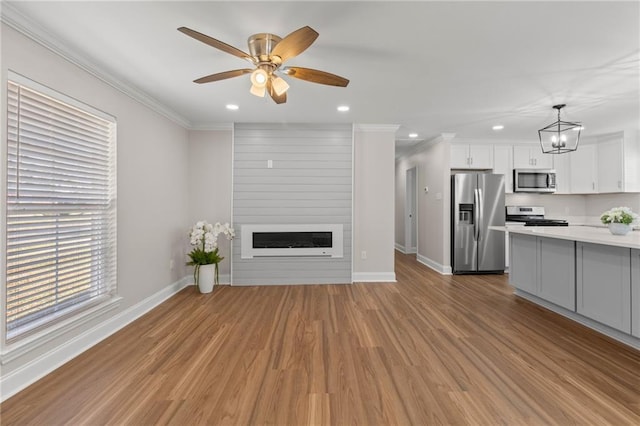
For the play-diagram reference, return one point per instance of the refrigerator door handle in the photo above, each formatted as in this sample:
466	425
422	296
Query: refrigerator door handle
481	210
476	214
480	221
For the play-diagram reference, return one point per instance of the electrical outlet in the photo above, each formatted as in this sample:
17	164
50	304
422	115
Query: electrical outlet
363	255
172	265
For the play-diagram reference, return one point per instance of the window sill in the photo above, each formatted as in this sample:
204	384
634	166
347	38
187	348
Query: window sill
29	343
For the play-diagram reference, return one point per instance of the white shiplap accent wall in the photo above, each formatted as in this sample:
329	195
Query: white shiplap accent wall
310	183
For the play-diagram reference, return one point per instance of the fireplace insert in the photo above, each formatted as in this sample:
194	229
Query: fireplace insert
291	239
325	240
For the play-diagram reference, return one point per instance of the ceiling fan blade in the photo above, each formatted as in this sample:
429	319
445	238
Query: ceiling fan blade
215	43
279	99
222	75
295	43
316	76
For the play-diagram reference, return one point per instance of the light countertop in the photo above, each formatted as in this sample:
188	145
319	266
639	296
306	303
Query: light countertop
586	234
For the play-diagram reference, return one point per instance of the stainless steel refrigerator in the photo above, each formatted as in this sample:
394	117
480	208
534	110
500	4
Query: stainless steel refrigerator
477	202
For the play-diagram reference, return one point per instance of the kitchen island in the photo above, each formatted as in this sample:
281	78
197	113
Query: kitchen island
584	273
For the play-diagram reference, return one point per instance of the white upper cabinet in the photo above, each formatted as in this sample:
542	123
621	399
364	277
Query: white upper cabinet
481	156
459	156
471	156
540	159
503	164
561	164
584	166
610	165
531	157
605	164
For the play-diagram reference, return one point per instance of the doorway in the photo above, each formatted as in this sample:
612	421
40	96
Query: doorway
410	207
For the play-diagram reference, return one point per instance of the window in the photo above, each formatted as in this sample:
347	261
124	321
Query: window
61	216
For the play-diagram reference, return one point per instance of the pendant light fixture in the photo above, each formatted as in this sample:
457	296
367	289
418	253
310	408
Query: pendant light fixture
560	137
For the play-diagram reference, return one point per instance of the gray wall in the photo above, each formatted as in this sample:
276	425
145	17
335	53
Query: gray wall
310	183
209	189
431	159
152	170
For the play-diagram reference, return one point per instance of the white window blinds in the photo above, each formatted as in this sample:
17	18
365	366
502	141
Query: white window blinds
61	216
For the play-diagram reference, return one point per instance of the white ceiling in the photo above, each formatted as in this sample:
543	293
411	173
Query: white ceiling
430	67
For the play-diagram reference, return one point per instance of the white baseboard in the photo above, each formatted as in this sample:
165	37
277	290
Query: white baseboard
402	249
223	279
442	269
34	370
374	277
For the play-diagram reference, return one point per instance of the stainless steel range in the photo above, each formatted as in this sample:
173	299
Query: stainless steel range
531	216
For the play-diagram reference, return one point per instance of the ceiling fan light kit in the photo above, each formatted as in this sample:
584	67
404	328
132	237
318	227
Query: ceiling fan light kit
279	85
258	90
267	52
259	79
560	137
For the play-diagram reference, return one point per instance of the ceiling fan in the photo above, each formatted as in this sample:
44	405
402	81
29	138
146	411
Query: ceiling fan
267	52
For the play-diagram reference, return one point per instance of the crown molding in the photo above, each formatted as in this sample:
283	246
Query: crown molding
376	127
211	126
421	146
15	19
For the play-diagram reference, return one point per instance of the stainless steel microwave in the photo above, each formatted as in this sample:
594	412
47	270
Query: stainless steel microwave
534	180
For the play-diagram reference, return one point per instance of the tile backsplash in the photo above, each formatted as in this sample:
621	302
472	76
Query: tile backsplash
577	209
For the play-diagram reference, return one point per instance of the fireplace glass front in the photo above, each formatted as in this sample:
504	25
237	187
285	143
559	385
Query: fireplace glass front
292	239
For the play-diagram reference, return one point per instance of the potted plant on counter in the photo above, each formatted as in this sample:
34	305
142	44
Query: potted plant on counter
619	220
205	255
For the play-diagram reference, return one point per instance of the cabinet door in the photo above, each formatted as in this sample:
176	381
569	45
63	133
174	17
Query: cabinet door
556	272
610	165
635	292
506	250
603	277
583	167
522	157
459	157
503	165
541	160
563	173
523	268
481	156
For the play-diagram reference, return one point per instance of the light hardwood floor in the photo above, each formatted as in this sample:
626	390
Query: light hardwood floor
430	349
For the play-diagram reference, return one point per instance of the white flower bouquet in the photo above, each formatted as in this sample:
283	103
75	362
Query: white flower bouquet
619	215
204	239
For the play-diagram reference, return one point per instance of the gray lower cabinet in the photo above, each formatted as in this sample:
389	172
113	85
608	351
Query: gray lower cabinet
603	278
557	272
635	292
523	269
544	267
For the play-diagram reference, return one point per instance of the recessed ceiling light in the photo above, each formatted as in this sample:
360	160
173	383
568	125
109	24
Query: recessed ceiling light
498	127
232	107
413	135
343	108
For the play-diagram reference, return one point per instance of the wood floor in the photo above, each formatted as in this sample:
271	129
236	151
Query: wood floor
428	350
